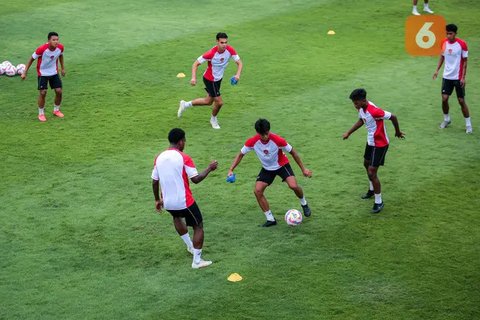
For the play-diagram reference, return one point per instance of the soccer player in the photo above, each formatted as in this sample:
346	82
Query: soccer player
47	70
217	58
171	171
426	8
455	55
377	141
269	148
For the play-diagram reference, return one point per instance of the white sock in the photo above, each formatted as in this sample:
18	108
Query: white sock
187	240
56	108
378	198
414	8
188	104
197	255
371	185
303	202
446	117
468	122
213	119
41	111
269	215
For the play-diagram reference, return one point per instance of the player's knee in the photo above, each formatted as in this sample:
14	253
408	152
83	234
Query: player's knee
58	91
445	98
372	174
43	93
461	101
258	192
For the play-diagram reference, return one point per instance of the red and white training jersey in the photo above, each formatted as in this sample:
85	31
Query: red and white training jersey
455	54
217	62
174	169
373	118
269	153
47	59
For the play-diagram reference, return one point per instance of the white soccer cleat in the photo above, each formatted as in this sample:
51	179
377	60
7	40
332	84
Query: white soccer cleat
214	124
415	12
468	129
444	124
201	264
181	108
427	10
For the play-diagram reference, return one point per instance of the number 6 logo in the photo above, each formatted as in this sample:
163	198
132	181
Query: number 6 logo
424	34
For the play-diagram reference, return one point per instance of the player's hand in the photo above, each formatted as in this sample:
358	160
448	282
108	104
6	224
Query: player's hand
193	82
230	172
307	173
213	165
63	72
435	75
345	136
463	82
159	205
23	75
400	135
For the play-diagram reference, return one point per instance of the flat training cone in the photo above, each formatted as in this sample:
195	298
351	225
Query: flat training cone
331	32
181	75
234	277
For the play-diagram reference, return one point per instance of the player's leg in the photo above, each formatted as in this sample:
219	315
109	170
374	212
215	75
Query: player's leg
42	93
414	9
182	231
207	101
426	8
217	105
287	175
367	156
56	84
465	111
378	159
193	218
447	89
264	179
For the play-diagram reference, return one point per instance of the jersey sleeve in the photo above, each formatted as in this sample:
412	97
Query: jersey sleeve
38	52
281	143
464	47
233	53
61	47
189	166
154	171
249	144
207	56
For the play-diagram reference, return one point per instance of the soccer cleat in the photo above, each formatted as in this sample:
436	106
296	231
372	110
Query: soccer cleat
415	12
58	114
214	124
42	118
377	207
427	10
201	264
269	223
306	211
468	129
445	124
368	195
181	108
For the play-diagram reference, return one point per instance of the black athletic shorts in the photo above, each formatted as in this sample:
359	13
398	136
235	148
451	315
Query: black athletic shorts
448	85
55	82
268	176
212	87
192	215
375	155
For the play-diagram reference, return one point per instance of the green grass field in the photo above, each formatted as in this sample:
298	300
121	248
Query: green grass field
79	236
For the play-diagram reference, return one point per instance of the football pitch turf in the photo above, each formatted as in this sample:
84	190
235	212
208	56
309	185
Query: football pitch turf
79	236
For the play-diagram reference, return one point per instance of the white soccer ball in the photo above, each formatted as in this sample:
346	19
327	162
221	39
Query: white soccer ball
10	71
2	69
21	68
293	217
6	63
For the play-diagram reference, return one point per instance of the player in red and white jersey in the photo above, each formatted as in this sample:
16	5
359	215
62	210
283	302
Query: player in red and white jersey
270	149
217	58
47	56
171	173
377	141
455	55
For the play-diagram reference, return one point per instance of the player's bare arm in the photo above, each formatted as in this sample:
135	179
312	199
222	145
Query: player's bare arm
306	172
211	167
354	128
464	72
398	133
440	63
62	66
156	194
195	65
239	69
236	162
29	63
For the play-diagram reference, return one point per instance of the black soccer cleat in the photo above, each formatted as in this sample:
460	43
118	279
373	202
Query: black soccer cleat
377	207
368	195
269	223
306	211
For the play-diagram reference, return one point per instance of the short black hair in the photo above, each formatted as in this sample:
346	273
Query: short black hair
176	135
222	35
451	28
262	126
52	34
358	94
